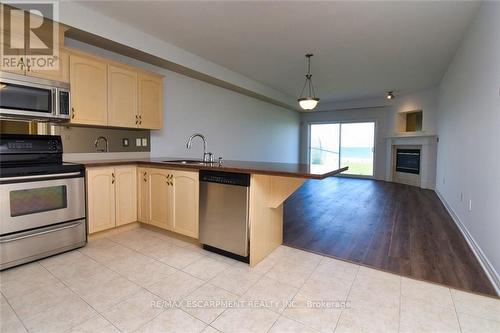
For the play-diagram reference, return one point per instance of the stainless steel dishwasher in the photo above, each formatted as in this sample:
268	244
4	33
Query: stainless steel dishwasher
224	200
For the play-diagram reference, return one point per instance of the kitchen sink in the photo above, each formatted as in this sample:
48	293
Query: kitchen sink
185	162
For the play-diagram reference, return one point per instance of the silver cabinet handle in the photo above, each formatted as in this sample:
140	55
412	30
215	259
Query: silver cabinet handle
39	233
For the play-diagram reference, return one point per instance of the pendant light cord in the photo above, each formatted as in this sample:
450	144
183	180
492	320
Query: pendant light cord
308	81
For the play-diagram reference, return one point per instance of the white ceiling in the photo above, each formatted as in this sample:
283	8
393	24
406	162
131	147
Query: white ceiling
362	49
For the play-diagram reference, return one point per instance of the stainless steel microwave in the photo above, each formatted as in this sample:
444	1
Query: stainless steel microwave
25	97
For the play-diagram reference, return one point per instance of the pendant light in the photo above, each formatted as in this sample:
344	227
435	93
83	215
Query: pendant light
310	101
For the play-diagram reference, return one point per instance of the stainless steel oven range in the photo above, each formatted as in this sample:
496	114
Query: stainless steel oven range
42	200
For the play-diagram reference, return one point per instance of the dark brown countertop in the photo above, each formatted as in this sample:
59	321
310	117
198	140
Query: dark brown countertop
264	168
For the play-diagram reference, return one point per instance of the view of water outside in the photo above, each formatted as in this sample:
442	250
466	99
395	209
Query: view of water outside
354	142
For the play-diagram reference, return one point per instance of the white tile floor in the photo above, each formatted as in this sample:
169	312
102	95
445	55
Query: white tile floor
123	282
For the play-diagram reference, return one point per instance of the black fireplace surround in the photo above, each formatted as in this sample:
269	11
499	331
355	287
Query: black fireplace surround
408	160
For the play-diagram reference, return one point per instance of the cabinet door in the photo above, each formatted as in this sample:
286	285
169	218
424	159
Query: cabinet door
100	199
161	212
186	202
89	97
126	194
150	101
59	74
143	195
122	97
16	42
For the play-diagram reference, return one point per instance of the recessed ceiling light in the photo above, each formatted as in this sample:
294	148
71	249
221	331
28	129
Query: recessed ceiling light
390	95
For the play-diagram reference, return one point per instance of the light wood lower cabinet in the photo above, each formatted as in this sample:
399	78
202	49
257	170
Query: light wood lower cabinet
100	199
111	197
160	204
185	203
125	194
169	199
143	195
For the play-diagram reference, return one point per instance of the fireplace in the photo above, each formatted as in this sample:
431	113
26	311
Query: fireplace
417	170
408	160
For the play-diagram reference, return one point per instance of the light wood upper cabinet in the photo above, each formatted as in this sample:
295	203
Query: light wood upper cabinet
186	202
161	212
89	97
100	199
15	40
60	74
19	45
150	101
126	194
122	97
107	93
143	195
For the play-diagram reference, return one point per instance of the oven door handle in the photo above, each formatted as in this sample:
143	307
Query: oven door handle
40	233
53	175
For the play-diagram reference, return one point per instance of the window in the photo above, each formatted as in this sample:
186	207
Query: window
37	200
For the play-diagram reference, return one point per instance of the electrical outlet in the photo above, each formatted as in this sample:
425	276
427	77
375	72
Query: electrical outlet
138	142
125	142
144	142
470	205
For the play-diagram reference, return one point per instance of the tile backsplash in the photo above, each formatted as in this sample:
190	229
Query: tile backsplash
81	139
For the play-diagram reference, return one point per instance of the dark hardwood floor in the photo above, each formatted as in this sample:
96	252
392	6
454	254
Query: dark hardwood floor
394	227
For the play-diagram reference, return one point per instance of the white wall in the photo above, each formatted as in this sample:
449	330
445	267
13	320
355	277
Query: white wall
236	126
425	100
469	134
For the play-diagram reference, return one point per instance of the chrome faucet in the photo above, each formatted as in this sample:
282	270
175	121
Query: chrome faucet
207	157
96	144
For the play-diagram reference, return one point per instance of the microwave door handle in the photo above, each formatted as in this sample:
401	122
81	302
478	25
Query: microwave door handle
55	106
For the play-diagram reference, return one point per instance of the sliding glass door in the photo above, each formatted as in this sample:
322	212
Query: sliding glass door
343	144
325	145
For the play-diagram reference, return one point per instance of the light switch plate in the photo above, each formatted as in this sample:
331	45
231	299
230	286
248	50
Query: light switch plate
144	142
138	142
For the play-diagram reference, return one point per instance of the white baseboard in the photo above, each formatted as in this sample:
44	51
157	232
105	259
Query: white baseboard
488	268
